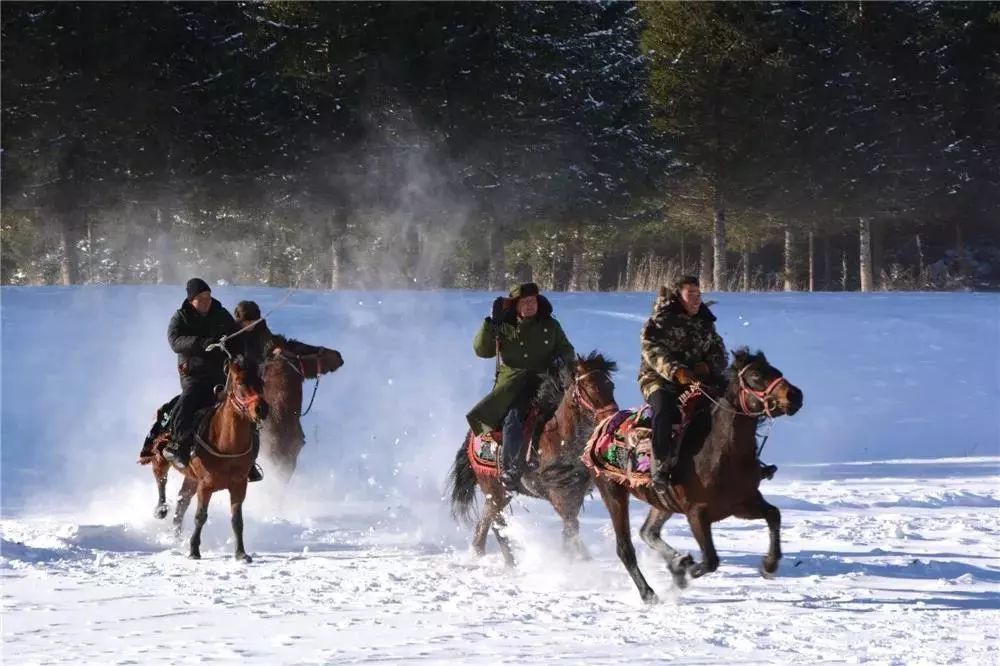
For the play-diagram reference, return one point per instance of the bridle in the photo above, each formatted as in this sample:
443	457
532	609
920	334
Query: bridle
582	396
762	396
317	356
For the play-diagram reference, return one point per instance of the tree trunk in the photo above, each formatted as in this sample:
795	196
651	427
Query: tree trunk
334	262
719	251
812	261
746	270
920	260
790	282
70	263
705	272
625	284
865	254
843	270
91	276
827	264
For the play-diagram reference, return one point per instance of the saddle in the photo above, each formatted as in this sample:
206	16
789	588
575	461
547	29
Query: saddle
162	430
622	444
484	450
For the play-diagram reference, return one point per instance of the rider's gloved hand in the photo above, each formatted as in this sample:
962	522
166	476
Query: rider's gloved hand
685	377
499	309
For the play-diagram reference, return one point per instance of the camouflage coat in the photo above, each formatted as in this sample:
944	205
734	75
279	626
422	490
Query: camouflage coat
672	339
527	349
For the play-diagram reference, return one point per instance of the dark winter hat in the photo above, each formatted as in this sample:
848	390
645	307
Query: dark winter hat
247	311
526	289
196	286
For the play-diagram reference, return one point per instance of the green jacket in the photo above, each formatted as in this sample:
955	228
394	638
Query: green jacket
527	349
672	339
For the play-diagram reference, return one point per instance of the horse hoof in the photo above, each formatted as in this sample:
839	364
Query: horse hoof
160	512
194	555
768	568
243	557
650	598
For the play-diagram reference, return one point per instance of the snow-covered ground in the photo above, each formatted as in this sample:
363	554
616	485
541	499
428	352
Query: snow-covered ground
889	488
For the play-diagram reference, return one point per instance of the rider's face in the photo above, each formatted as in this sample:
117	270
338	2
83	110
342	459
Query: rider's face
527	306
691	298
202	302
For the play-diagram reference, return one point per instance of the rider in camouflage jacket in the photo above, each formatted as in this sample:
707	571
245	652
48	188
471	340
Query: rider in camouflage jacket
680	347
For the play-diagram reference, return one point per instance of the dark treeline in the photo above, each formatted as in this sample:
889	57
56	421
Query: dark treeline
581	145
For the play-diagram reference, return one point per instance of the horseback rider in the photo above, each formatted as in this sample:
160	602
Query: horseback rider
680	348
529	342
200	322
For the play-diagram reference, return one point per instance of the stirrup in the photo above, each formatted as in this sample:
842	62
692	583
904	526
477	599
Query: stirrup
255	474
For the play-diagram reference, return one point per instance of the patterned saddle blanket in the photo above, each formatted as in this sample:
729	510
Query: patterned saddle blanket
484	450
622	444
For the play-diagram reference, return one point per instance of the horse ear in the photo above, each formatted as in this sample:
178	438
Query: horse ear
740	355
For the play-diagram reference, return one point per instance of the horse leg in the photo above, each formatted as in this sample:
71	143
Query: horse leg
568	506
701	528
238	493
500	524
677	563
160	470
200	518
183	501
616	500
492	490
759	508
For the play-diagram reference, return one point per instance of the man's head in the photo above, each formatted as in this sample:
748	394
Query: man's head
199	294
689	293
526	299
246	312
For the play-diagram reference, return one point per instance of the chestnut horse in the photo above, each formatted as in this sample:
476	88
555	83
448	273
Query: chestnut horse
224	455
718	471
288	365
582	399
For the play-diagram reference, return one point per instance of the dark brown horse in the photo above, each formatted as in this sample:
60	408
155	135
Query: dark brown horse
583	399
224	455
289	364
719	473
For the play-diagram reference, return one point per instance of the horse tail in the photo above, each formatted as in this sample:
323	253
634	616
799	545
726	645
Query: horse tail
462	484
570	476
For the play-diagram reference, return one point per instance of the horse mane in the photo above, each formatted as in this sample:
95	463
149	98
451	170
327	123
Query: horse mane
292	345
557	382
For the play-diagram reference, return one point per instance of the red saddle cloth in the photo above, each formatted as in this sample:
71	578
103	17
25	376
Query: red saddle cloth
484	450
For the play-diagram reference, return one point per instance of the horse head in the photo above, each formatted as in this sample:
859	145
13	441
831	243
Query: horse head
245	389
308	360
759	388
593	387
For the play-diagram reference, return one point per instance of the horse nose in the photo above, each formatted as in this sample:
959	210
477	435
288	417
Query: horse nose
340	359
794	397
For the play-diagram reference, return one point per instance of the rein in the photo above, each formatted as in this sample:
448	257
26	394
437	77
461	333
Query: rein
287	357
580	395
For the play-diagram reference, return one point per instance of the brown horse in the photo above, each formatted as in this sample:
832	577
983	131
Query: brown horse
582	399
289	364
719	473
224	455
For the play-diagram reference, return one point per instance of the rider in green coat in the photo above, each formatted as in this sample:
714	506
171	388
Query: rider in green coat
530	341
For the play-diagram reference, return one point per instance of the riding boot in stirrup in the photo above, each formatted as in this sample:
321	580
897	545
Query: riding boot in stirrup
178	453
256	473
767	471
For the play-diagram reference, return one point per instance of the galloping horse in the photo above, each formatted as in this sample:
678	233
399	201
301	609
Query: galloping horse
719	475
224	459
587	398
289	364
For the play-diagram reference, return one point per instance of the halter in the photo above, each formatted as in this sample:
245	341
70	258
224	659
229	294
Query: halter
761	396
244	405
581	397
286	356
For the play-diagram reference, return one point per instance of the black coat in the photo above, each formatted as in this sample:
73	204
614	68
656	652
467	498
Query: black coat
190	332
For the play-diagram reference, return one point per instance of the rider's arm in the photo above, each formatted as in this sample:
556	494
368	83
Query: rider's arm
485	342
656	351
180	343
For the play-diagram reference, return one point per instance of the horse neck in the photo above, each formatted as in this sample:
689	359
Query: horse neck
282	389
733	432
569	422
229	429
